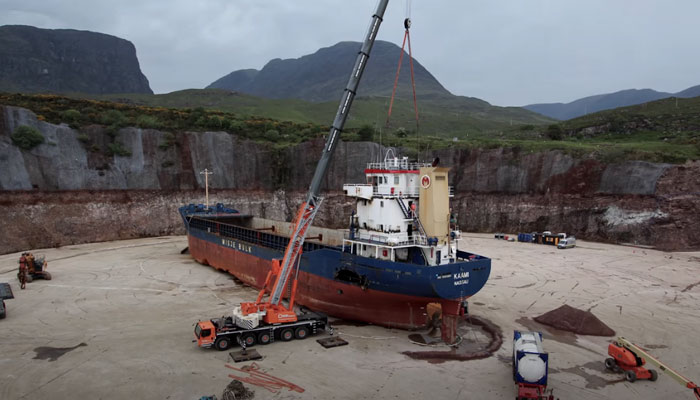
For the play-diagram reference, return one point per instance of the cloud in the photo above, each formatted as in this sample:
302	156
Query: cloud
508	52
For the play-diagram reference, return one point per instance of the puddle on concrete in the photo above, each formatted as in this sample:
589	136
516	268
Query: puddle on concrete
53	353
550	333
422	338
592	381
505	359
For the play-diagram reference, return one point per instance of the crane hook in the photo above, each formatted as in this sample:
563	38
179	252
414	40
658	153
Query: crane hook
407	23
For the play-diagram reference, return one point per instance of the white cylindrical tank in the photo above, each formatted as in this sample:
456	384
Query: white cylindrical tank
529	359
532	368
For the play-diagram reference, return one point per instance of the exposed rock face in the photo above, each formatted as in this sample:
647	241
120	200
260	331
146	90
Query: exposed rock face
64	192
67	60
40	219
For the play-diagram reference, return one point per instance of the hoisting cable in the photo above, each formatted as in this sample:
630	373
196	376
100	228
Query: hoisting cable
406	38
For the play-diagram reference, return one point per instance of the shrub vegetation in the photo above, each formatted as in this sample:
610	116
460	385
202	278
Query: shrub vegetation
26	137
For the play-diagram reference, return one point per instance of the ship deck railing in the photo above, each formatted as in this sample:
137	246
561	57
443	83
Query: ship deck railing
403	165
416	240
248	235
386	190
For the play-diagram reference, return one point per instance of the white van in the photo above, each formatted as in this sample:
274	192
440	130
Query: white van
567	243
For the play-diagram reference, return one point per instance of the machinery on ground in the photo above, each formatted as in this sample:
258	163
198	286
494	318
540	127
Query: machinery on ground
630	358
263	321
530	366
31	268
5	294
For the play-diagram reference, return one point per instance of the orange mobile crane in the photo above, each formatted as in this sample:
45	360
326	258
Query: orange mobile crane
263	321
630	358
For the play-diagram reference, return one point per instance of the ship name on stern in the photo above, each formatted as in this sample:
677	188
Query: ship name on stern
461	278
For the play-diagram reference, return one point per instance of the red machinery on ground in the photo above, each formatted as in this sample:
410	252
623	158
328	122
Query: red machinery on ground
31	268
630	358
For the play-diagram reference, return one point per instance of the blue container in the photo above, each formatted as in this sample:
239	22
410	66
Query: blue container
525	237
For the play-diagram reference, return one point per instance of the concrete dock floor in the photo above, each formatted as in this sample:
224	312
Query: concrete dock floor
116	322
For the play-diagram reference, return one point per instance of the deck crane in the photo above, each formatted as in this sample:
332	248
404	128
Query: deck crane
266	312
630	358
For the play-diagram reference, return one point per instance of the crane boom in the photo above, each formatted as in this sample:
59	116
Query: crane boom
274	312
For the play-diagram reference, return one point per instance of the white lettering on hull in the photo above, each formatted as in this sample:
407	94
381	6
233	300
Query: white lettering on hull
461	278
460	275
236	245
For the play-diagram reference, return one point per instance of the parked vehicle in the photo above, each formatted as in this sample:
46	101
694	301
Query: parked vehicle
530	366
5	294
567	243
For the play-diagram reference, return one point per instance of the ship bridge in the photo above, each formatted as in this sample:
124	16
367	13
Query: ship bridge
386	223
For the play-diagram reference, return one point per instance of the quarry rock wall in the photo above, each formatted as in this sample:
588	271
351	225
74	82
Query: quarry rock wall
69	190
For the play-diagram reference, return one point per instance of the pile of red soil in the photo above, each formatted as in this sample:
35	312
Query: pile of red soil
572	319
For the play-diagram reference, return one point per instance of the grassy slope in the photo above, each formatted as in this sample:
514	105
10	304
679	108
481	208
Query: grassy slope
666	130
440	116
657	131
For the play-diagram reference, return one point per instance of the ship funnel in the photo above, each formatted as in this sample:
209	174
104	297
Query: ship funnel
434	202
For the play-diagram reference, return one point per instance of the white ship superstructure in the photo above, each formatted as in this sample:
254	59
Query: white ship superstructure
402	213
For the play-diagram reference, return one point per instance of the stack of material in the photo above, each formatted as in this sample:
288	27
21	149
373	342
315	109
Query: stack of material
572	319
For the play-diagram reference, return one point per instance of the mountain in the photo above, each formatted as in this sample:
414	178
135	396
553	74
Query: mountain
607	101
690	92
67	60
322	76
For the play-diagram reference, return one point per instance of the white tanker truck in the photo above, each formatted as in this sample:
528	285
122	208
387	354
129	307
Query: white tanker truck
530	365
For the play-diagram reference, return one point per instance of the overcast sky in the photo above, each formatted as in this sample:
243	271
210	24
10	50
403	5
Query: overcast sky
507	52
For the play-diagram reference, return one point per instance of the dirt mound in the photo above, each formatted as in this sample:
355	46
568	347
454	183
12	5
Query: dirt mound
236	391
572	319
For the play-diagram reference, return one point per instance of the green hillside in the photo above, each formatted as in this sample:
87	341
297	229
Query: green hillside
439	116
666	130
657	132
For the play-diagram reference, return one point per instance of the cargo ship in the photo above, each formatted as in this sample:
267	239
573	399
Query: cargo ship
399	254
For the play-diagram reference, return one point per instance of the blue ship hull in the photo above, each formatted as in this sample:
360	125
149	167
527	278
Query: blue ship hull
334	281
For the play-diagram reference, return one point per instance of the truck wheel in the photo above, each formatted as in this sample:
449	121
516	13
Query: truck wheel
249	340
47	276
301	332
287	334
630	376
654	375
29	278
222	343
264	338
610	363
